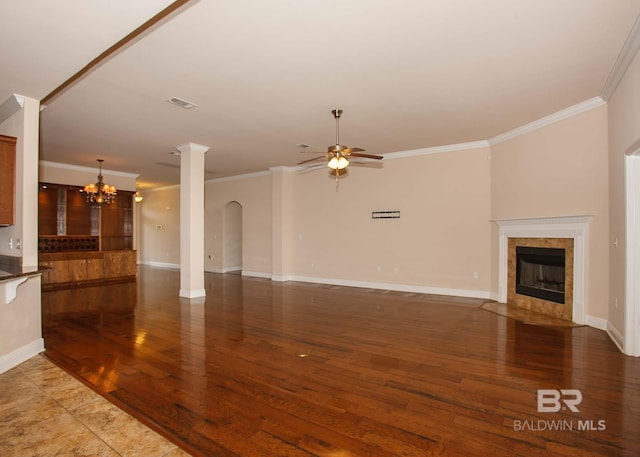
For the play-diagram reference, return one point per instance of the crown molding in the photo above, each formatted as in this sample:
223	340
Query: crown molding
237	177
66	166
437	150
284	169
10	106
627	53
157	189
548	120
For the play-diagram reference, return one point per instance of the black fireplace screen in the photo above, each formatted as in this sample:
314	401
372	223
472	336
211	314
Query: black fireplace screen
540	272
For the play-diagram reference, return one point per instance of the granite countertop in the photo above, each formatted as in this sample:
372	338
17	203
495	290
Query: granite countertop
7	272
11	268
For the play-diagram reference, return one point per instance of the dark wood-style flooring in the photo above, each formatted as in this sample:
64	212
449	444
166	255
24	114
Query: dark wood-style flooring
294	369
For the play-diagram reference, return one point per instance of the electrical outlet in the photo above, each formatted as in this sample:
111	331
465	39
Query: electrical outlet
475	275
10	243
18	243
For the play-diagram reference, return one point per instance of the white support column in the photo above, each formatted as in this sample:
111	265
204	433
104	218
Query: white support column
27	171
192	220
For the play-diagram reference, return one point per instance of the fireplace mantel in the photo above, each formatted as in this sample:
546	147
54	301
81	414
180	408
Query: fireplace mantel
575	227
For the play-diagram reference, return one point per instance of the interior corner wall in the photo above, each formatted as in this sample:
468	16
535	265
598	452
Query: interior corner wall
160	224
159	234
253	193
624	131
440	243
560	170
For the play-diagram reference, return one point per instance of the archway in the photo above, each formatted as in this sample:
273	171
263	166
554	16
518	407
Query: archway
232	238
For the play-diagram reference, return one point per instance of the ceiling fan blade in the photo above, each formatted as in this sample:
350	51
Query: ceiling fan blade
366	156
338	172
350	150
311	160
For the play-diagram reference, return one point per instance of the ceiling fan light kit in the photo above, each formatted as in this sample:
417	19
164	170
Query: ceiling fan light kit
337	156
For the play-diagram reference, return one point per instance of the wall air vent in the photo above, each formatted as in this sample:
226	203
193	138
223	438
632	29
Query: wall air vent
182	103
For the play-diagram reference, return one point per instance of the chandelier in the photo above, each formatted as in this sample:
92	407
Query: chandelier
100	192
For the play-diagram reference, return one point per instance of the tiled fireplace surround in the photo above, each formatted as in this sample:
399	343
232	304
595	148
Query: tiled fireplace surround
569	233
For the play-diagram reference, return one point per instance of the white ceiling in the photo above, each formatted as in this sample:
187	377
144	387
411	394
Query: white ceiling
409	74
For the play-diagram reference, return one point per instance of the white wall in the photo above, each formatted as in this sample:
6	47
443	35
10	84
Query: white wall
20	321
560	170
24	125
624	131
440	243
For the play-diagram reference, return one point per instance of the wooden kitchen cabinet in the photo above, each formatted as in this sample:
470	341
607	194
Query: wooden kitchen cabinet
7	180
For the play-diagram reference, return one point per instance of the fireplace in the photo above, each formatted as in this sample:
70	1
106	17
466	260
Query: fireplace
568	233
540	273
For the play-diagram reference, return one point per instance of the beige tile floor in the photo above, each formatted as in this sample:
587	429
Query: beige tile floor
46	412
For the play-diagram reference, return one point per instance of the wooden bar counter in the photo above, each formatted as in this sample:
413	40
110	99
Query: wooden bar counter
68	269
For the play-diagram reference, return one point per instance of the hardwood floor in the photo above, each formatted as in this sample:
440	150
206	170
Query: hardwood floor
295	369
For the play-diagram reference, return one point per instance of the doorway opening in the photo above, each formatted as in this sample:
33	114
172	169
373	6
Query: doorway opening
232	238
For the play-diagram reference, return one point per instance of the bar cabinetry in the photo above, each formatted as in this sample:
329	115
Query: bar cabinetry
64	269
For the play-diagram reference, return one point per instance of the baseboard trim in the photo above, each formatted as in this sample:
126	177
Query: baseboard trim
195	293
256	274
388	286
615	336
596	322
151	263
21	354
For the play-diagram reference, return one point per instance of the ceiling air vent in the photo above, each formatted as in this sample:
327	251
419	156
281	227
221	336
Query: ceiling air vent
180	102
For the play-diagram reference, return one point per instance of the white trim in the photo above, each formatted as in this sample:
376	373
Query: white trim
66	166
283	168
22	354
256	274
437	150
237	177
192	293
11	288
155	189
632	254
615	336
387	286
11	106
151	263
548	120
548	227
627	53
596	322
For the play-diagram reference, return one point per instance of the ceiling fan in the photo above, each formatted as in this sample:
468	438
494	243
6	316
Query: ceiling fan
337	156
